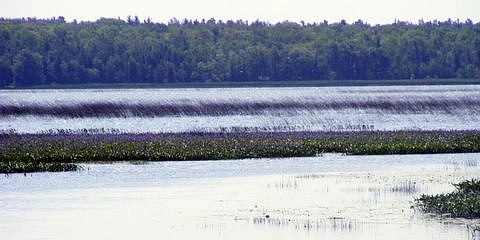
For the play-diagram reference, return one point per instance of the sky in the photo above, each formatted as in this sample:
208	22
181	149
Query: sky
370	11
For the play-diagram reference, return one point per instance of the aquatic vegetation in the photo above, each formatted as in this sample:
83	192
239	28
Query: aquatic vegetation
222	108
474	231
463	202
31	166
333	223
471	163
75	148
405	187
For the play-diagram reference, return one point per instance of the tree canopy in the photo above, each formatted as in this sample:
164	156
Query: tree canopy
53	51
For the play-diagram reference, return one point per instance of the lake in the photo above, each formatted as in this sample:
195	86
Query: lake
330	196
243	109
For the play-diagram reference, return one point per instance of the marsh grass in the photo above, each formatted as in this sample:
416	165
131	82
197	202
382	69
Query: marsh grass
8	167
307	224
464	202
405	187
471	163
76	148
212	108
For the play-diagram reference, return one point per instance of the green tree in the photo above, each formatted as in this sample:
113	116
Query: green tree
28	68
6	75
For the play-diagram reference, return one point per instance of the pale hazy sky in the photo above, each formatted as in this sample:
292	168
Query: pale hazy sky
371	11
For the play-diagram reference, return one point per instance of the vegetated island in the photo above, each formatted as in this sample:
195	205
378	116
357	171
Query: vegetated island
62	151
134	52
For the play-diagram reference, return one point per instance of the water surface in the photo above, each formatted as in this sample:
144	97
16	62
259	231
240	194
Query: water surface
332	196
252	109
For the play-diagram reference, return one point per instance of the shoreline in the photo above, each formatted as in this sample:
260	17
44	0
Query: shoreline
262	84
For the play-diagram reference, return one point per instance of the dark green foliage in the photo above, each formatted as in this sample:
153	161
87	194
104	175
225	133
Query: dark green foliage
27	66
74	148
6	74
34	52
463	202
35	166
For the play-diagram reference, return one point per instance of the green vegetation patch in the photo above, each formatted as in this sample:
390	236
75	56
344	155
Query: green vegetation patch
464	202
38	151
28	167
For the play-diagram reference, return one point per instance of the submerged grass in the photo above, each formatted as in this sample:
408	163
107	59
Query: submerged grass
37	149
463	202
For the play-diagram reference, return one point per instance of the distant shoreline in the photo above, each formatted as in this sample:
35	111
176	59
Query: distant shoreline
262	84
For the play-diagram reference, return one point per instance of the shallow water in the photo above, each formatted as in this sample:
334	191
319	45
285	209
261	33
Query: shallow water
419	108
330	196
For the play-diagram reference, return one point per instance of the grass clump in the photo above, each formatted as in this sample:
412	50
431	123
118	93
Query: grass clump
464	202
7	167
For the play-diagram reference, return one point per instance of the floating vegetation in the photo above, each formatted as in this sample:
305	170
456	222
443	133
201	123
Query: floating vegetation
463	202
75	148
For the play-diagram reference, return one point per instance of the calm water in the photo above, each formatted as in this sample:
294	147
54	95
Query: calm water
332	197
266	109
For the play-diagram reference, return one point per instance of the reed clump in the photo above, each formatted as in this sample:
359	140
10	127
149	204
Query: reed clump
464	202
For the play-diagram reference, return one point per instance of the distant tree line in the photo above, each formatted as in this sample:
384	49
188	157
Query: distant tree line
53	51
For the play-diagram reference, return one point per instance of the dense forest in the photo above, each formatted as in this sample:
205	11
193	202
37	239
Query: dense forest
53	51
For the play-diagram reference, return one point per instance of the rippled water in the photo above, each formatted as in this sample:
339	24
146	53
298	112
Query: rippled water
331	197
251	109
